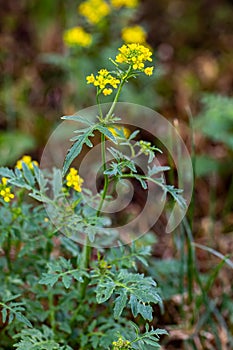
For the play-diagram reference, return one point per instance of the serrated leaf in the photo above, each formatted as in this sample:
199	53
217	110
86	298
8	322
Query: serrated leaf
4	315
49	279
120	304
142	182
28	174
11	317
104	130
134	305
23	319
104	291
5	172
153	343
66	280
76	148
145	311
76	118
78	276
56	182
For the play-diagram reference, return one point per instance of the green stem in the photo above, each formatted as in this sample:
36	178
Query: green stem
98	103
84	265
86	253
7	252
124	79
106	179
52	312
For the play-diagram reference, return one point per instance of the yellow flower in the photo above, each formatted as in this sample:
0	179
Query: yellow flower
107	92
28	161
134	34
104	80
126	3
135	55
4	180
121	344
148	70
145	147
113	130
91	79
5	191
77	36
94	10
74	180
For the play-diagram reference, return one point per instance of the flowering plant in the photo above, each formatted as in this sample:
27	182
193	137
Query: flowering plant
87	298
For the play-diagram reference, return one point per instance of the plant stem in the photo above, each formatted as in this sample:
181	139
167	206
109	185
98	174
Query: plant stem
86	253
106	180
7	252
84	265
109	114
52	312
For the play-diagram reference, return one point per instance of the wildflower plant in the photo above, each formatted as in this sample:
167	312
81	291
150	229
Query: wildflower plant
80	296
94	32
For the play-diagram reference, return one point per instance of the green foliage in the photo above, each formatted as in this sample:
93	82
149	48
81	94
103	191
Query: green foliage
33	339
216	119
60	284
12	309
62	269
131	289
8	152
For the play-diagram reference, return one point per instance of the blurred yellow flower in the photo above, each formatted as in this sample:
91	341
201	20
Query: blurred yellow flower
74	180
126	3
114	129
5	191
134	34
94	10
28	161
77	36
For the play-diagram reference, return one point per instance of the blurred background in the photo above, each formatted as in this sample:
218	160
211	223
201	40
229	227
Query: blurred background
49	47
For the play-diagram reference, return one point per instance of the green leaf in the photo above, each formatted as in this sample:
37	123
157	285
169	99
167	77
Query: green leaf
28	174
104	130
49	279
142	182
23	319
77	118
78	275
66	280
4	315
76	148
120	304
145	311
104	291
134	305
57	182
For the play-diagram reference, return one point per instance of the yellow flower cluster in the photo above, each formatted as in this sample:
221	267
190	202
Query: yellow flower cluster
5	191
126	3
134	34
28	161
145	147
120	128
77	36
103	80
135	55
74	180
121	344
94	10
